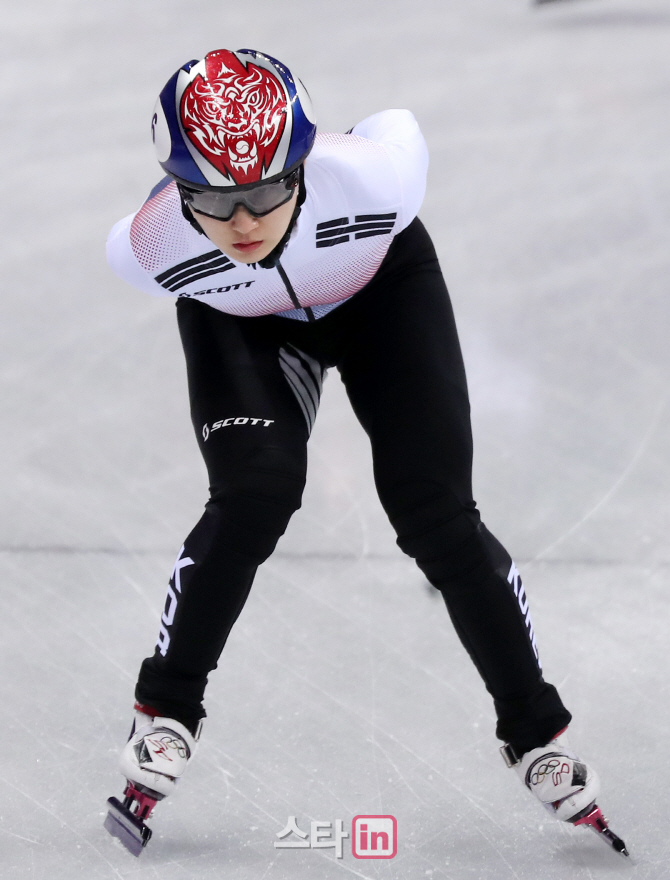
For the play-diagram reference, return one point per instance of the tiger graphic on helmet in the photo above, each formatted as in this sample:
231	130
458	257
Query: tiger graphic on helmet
235	116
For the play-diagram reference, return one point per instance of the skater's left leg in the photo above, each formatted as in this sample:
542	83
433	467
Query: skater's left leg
405	378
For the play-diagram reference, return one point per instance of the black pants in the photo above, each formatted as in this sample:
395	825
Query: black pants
254	385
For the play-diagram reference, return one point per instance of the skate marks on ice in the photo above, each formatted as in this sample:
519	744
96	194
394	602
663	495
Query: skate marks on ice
51	696
635	459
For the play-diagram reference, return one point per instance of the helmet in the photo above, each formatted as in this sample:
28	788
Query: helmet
232	120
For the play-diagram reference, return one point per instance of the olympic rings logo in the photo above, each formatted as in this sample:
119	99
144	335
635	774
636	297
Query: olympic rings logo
555	768
162	744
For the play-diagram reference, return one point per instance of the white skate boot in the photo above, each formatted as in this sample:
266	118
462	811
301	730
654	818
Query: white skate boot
157	753
564	785
153	760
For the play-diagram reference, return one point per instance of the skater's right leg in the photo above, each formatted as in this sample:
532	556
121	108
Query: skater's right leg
252	434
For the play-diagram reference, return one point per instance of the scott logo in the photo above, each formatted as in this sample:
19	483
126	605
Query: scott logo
225	289
240	420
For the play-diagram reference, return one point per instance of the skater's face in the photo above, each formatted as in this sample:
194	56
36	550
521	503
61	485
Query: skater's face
246	238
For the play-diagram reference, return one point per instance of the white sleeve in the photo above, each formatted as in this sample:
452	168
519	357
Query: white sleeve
399	133
123	261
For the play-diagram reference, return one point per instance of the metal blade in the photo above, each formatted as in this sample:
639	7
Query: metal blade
594	819
122	823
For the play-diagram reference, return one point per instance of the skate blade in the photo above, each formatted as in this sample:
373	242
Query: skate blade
592	817
122	823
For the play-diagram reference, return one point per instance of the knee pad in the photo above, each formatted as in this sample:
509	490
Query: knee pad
256	500
454	547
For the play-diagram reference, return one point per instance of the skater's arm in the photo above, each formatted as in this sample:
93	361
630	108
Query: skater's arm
399	133
123	261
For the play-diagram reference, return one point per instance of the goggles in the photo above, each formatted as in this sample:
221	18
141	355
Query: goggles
259	201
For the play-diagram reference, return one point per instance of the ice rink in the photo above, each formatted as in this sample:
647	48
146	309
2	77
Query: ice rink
343	689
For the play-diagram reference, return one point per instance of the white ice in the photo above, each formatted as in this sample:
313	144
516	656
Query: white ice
343	689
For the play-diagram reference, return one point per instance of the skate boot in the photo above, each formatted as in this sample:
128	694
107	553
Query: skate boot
153	760
564	785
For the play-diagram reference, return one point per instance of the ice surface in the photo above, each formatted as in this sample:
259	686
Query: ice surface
343	690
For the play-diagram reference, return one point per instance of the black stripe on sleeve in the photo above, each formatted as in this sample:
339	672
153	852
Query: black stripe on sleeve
330	223
331	233
372	232
338	231
329	242
195	261
195	276
357	227
182	277
365	218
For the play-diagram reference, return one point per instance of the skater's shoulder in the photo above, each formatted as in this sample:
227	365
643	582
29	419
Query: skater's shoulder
379	165
369	141
155	237
162	214
397	127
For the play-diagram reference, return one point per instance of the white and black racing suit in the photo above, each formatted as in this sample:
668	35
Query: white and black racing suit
357	287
